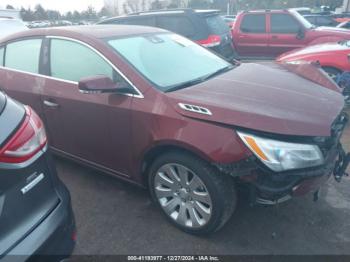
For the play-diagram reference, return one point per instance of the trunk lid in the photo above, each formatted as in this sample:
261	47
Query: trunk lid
265	97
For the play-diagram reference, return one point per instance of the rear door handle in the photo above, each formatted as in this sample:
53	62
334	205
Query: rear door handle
50	104
274	37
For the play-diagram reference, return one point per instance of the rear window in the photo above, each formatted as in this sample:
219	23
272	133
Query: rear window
177	24
217	25
254	23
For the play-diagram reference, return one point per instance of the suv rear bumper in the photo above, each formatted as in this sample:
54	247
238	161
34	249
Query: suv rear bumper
54	236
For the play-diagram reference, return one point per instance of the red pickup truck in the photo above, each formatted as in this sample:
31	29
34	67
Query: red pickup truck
269	33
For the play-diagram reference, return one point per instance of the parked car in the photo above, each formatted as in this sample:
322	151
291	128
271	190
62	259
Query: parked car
302	10
10	26
39	24
156	109
340	18
333	57
229	21
268	34
206	27
345	25
35	215
321	20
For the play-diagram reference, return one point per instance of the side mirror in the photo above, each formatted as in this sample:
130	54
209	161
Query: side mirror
97	85
301	33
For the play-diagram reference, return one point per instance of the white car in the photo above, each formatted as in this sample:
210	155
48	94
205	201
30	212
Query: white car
10	26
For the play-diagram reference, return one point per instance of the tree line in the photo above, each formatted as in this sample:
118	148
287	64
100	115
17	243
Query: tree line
39	13
238	5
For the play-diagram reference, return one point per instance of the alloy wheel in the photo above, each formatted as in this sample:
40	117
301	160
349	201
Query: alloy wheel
183	195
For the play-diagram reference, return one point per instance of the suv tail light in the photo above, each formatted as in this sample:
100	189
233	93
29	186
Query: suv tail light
211	41
26	142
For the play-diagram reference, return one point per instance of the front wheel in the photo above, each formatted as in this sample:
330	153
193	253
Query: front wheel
192	194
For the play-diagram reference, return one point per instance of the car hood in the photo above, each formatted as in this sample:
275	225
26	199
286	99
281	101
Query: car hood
335	30
312	50
266	97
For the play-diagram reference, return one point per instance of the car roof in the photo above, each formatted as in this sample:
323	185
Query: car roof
90	31
259	11
176	11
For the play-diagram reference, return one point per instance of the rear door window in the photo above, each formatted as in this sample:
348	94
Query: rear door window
254	23
217	25
284	24
24	55
177	24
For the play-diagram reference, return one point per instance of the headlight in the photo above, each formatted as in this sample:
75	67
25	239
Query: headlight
281	156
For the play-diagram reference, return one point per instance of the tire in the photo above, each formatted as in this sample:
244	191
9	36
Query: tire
332	72
209	201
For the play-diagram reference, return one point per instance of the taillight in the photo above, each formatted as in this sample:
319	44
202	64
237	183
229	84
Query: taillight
26	142
211	41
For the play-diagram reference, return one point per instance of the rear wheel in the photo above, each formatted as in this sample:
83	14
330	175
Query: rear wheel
332	72
192	194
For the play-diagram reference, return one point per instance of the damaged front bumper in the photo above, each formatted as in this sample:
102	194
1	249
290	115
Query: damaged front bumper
270	188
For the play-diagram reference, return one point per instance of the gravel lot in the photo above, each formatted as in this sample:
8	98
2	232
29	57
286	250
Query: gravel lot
114	217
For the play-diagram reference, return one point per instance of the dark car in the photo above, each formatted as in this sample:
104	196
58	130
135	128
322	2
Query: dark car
205	27
321	20
345	25
35	211
156	109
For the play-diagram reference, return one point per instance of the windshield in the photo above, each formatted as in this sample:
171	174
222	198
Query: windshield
168	60
302	20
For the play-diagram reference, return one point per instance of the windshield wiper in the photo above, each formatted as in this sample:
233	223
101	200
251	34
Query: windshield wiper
185	84
218	72
199	80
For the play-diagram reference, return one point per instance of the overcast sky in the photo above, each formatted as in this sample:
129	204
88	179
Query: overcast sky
60	5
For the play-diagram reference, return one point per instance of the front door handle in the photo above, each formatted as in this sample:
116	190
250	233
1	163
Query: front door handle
50	104
274	37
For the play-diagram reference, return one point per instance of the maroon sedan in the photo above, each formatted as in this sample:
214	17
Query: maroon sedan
158	110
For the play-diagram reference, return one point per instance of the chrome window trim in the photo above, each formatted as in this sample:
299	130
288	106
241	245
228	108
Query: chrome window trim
138	95
39	75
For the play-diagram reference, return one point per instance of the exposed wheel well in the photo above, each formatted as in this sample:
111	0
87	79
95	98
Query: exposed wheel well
152	154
